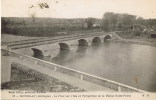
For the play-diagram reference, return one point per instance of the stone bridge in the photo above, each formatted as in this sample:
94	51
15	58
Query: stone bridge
70	45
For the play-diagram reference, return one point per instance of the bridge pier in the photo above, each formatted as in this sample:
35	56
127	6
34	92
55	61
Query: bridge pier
107	37
82	42
37	53
64	46
96	41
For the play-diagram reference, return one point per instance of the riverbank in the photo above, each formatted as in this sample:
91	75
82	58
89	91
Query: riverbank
143	39
23	78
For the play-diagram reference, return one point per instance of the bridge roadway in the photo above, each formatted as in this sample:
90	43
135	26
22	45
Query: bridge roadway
47	40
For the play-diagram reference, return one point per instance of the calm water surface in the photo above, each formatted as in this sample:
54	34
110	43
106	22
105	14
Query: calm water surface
127	63
130	64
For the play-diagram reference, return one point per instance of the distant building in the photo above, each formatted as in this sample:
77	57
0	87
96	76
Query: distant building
152	34
96	25
85	25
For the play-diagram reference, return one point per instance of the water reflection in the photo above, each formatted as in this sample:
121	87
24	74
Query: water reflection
61	57
127	63
82	49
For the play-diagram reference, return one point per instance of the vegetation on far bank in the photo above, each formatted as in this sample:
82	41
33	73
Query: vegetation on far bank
55	26
47	26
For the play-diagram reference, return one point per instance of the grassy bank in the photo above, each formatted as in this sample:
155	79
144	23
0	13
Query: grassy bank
130	36
27	79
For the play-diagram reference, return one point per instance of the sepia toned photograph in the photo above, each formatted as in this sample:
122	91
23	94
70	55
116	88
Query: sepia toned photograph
78	46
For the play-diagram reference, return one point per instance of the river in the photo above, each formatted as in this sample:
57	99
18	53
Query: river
126	63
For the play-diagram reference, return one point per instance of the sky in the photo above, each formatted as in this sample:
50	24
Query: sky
77	8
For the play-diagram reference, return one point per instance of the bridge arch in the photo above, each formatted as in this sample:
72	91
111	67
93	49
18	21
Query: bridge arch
64	46
107	37
96	40
37	53
82	42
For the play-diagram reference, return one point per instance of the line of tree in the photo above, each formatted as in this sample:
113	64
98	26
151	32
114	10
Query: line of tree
116	21
113	21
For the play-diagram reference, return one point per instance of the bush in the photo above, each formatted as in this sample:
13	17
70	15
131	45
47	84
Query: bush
137	32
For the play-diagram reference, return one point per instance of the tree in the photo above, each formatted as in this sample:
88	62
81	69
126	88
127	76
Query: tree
140	21
152	22
128	19
4	25
105	24
109	21
90	22
113	20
